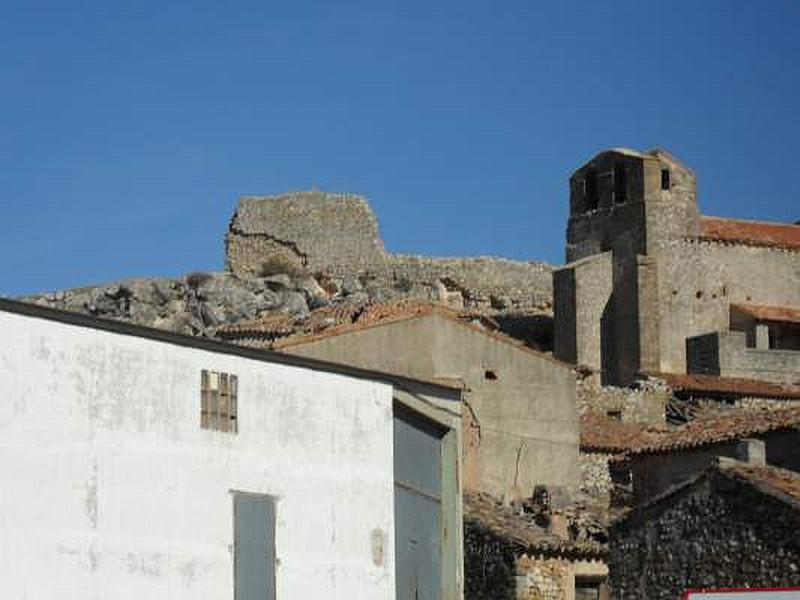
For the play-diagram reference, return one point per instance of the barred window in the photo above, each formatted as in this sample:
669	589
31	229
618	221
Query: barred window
218	401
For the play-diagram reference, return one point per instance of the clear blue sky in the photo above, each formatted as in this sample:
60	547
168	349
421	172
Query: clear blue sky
128	134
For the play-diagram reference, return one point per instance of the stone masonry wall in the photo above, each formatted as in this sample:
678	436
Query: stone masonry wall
336	235
698	280
716	535
643	404
319	231
543	578
595	476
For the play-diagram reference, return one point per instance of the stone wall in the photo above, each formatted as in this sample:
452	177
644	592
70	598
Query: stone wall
319	231
488	282
727	354
596	481
645	403
336	236
498	569
699	280
583	311
543	579
715	534
668	283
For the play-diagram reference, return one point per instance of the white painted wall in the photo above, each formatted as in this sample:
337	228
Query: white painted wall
109	488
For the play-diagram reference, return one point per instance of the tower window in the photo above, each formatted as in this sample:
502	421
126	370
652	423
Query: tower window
665	179
619	182
590	190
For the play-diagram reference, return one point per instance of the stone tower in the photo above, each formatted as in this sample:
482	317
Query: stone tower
652	286
625	208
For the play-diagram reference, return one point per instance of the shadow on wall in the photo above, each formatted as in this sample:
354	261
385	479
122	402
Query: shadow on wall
535	331
489	565
607	343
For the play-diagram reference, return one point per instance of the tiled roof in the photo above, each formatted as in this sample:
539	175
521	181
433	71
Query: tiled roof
269	326
736	424
762	312
327	318
712	385
773	481
754	233
601	434
520	529
382	314
778	482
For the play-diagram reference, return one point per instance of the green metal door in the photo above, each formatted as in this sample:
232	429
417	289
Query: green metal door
418	507
254	547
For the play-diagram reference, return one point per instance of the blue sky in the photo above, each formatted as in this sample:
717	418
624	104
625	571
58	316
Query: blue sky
128	133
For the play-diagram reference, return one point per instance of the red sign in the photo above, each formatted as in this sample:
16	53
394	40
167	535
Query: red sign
744	594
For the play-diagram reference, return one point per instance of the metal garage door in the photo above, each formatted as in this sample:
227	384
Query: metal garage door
418	507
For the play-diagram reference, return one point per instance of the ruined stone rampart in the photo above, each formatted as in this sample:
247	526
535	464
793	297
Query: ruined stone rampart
333	233
336	236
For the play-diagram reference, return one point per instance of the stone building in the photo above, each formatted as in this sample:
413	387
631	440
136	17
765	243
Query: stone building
515	554
630	463
653	286
138	463
521	427
732	526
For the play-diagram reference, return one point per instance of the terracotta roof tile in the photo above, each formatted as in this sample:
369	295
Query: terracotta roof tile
773	481
762	312
727	386
754	233
736	424
519	528
770	479
382	314
270	326
329	316
600	433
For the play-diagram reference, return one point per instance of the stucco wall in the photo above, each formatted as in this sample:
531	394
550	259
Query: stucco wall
524	421
110	488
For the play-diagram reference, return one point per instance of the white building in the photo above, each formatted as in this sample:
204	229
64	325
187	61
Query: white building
136	463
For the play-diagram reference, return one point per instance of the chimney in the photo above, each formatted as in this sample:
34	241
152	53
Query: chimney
752	451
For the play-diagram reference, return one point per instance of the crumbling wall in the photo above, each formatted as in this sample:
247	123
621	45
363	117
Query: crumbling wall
336	236
497	569
543	578
596	481
319	231
645	403
485	281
